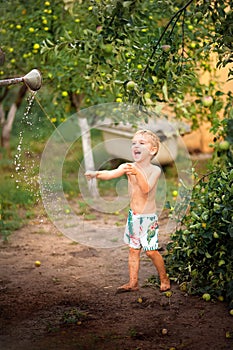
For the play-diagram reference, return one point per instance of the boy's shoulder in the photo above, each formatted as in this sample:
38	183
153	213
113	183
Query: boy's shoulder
156	169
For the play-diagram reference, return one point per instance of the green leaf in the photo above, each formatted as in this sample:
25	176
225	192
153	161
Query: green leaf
127	3
164	90
230	230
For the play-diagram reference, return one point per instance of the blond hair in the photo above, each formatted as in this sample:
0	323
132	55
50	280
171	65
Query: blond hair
152	137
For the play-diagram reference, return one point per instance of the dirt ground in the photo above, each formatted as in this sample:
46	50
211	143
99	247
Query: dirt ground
70	301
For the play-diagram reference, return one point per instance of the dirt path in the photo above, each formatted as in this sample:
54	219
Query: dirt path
69	302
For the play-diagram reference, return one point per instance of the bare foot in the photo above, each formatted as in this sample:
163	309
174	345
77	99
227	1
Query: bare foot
127	288
165	285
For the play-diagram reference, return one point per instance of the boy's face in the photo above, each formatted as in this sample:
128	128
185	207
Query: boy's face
142	147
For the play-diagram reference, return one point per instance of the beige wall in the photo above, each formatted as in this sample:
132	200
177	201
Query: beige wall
200	139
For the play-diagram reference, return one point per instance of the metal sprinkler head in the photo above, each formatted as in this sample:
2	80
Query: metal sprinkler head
33	80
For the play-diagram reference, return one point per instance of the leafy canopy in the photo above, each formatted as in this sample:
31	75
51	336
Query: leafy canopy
95	48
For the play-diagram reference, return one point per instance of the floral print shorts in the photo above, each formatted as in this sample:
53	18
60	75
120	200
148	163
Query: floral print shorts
142	231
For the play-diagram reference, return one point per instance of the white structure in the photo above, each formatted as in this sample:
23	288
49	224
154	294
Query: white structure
117	139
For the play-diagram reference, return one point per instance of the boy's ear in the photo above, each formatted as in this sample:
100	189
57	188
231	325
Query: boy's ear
154	150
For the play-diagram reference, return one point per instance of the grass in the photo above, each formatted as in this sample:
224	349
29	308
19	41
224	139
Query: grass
14	207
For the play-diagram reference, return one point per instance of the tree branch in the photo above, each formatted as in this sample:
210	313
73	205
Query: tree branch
177	14
76	100
20	96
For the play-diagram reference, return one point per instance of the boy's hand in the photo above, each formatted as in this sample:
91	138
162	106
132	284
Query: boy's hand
130	169
90	174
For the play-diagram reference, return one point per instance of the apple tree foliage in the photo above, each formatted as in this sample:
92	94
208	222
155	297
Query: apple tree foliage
89	50
162	47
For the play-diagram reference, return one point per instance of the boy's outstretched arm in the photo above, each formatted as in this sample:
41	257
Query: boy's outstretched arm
107	174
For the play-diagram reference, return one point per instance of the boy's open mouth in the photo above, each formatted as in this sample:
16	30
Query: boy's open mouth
137	153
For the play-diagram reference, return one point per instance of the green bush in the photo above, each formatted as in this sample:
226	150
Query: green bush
201	251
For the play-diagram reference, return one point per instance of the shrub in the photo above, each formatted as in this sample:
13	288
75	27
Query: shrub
201	250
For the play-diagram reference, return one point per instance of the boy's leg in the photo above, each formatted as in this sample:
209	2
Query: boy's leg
158	262
133	263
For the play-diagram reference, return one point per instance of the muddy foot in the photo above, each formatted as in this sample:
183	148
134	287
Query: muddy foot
165	286
126	288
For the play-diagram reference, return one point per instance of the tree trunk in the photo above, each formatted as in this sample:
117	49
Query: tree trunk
86	145
2	114
7	123
7	127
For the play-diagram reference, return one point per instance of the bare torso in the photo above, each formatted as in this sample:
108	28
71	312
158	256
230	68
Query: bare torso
140	202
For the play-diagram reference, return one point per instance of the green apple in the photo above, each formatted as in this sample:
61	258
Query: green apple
166	48
131	85
183	286
164	331
37	263
206	296
193	45
98	28
199	15
207	101
224	145
229	334
147	95
107	48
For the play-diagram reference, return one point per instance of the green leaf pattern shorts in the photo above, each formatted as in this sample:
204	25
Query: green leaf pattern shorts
142	231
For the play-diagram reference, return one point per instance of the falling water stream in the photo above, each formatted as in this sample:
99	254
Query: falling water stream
24	159
26	162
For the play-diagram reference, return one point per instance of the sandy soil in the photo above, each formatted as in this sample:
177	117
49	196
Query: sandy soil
70	301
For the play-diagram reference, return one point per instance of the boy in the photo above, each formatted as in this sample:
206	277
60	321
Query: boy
142	226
